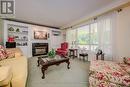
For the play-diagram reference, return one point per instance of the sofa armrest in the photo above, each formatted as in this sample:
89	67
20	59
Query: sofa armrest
5	75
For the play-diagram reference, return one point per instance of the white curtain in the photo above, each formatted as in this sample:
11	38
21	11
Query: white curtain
71	36
106	34
105	27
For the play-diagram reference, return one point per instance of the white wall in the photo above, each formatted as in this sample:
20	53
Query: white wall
123	33
1	35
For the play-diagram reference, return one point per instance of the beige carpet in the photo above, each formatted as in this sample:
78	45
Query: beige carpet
59	76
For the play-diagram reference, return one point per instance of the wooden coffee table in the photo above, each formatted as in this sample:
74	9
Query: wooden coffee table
46	62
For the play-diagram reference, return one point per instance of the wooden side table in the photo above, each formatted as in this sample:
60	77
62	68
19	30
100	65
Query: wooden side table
73	53
102	56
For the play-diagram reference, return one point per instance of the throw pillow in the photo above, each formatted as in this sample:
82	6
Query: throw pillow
126	60
3	53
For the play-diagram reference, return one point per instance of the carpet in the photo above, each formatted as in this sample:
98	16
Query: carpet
59	76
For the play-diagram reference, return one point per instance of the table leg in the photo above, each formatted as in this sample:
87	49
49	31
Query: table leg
96	56
102	57
38	62
73	54
76	53
68	64
83	58
43	71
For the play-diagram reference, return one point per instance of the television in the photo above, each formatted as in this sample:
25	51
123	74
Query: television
40	35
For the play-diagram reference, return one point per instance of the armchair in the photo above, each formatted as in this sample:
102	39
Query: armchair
63	51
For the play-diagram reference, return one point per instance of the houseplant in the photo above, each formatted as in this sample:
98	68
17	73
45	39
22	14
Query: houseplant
51	53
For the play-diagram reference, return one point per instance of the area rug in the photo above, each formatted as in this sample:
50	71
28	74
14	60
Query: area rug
59	76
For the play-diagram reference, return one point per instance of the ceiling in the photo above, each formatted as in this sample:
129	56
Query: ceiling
56	13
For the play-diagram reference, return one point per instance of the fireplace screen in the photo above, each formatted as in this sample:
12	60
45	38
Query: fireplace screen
39	49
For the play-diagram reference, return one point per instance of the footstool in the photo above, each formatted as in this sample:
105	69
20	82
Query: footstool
84	55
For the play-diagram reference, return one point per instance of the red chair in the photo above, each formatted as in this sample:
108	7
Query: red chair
63	51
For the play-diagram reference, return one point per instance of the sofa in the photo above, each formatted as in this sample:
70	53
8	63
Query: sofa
109	74
14	69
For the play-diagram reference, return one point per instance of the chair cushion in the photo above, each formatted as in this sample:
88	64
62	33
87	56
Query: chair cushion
83	54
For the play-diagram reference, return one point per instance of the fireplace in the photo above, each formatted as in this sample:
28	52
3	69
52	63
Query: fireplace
39	49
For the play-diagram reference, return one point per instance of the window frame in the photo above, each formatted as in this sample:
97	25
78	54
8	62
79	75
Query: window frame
89	45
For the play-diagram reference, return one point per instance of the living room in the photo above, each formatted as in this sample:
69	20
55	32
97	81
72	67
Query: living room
64	43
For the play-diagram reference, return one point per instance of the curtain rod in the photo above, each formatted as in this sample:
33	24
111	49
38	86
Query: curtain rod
86	20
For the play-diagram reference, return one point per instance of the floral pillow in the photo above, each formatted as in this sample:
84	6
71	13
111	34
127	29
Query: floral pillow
3	53
126	60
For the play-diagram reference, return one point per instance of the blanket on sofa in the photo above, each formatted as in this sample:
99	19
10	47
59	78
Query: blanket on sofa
109	74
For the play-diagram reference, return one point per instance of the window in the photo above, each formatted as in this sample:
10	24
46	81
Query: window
87	36
71	36
93	36
98	33
83	35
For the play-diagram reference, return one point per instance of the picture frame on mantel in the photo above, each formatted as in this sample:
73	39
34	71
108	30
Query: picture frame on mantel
40	35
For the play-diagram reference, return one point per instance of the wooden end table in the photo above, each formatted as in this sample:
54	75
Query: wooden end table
102	56
73	52
45	64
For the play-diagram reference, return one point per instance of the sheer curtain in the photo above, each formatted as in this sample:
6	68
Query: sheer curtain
106	35
101	35
71	36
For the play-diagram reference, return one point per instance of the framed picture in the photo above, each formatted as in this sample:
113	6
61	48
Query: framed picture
42	35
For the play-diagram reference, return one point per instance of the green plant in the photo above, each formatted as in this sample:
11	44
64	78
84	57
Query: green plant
51	53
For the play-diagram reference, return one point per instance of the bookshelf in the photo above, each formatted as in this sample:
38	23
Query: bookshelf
20	34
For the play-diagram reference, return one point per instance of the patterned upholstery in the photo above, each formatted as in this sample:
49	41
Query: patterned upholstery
109	73
3	53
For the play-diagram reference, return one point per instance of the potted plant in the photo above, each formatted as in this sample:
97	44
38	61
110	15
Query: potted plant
51	53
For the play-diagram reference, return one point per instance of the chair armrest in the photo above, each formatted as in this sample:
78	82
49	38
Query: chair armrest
58	48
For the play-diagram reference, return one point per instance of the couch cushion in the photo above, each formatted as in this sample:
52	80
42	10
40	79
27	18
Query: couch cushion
5	75
19	70
109	71
93	82
126	67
